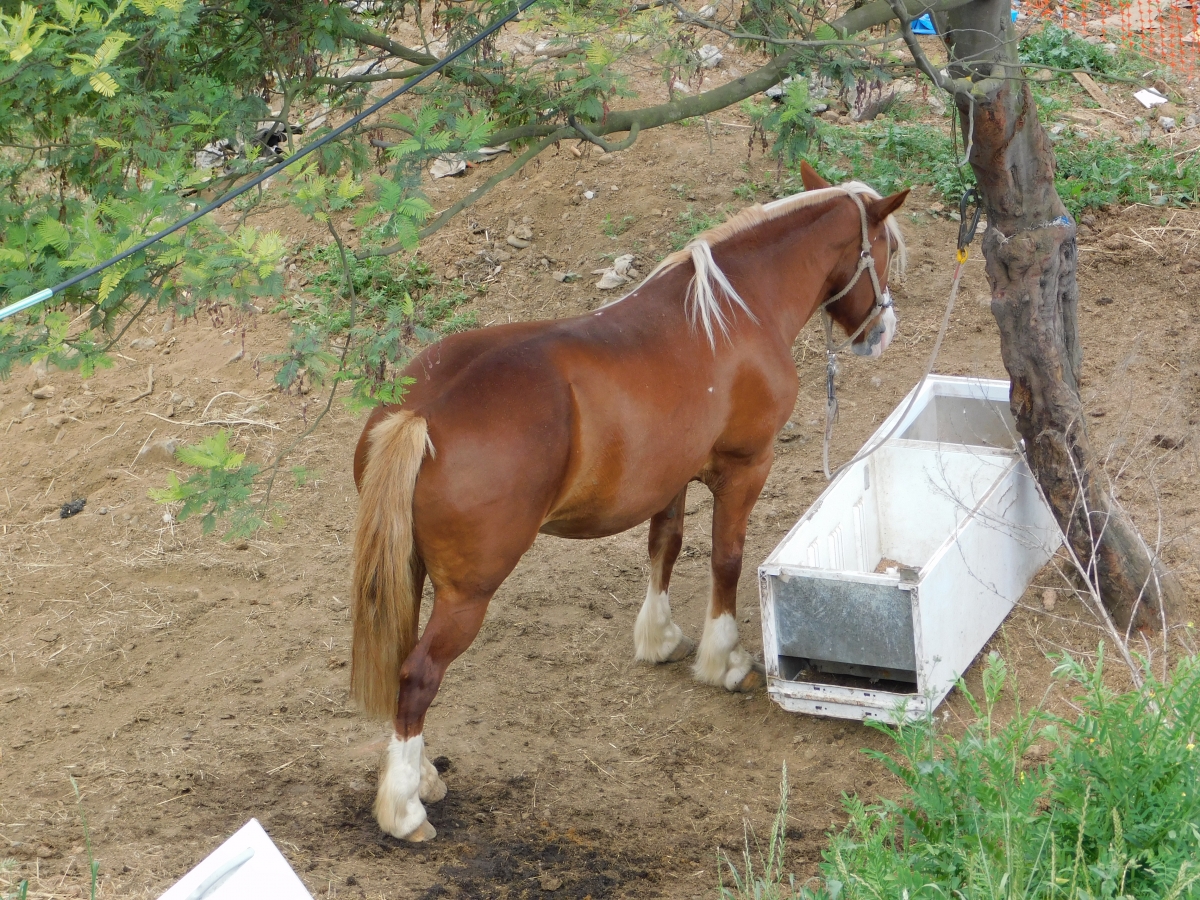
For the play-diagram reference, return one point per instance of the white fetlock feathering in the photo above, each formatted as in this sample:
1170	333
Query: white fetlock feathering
398	808
655	636
432	787
716	654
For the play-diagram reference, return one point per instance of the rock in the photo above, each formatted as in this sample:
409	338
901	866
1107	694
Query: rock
707	12
589	195
517	242
1049	599
57	421
160	451
45	392
102	511
1190	266
1191	120
710	56
1043	75
679	86
611	280
550	882
565	277
523	232
26	411
143	343
1166	123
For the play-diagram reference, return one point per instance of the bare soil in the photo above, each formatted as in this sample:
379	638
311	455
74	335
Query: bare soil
189	684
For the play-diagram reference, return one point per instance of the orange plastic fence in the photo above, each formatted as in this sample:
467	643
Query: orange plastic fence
1166	31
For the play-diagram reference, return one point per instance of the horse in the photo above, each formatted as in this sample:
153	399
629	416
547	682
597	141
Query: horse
588	426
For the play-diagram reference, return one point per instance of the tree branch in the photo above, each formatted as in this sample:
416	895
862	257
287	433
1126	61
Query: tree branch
477	194
361	34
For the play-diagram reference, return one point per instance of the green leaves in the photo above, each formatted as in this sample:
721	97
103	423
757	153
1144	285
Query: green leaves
221	488
1032	805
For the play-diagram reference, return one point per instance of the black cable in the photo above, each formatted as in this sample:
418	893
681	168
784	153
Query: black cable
46	293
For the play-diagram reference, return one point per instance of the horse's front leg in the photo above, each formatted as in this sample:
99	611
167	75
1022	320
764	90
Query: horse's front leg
656	639
736	484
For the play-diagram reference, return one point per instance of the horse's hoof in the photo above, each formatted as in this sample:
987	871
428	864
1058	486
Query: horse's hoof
423	832
685	648
752	680
432	790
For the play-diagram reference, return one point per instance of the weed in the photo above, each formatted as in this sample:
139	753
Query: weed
691	224
1096	172
769	882
1112	811
1058	48
21	890
615	229
93	863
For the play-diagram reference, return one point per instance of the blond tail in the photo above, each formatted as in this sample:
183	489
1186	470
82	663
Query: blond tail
386	604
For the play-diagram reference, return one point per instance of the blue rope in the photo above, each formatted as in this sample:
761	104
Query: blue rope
46	293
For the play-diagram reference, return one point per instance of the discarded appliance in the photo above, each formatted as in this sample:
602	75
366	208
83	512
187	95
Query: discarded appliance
886	589
248	866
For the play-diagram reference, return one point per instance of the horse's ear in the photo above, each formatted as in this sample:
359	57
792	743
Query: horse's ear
812	181
878	210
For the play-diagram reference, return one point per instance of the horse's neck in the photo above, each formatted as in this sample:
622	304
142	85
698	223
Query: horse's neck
781	266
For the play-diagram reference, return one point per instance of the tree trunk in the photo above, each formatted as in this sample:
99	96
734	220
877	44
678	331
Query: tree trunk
1031	259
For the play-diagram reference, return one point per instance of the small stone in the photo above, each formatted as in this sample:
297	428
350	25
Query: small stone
24	462
710	56
160	451
1043	75
550	882
1103	301
707	12
102	511
45	392
523	232
143	343
564	277
1166	123
1049	600
589	195
517	243
1191	120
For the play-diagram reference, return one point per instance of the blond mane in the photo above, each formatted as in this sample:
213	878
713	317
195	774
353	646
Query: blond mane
704	307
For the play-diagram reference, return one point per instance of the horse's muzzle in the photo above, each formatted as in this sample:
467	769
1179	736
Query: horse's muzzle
880	336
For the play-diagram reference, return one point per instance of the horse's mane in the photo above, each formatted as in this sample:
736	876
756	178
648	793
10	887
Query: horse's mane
703	297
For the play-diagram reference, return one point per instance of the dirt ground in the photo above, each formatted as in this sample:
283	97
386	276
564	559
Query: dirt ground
188	684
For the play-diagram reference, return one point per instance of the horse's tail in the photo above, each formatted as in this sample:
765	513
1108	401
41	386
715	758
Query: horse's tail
386	604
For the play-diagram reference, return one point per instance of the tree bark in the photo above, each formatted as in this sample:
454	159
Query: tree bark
1031	258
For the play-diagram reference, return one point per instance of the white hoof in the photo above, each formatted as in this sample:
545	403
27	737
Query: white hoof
432	787
398	808
655	637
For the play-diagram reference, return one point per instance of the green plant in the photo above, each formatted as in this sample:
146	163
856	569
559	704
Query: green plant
93	863
691	224
1112	811
1095	172
770	881
613	228
1058	48
221	488
21	891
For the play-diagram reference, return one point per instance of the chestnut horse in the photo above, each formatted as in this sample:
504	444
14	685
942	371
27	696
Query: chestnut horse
586	427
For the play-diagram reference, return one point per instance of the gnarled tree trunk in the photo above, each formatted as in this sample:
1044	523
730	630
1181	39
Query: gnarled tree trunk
1031	259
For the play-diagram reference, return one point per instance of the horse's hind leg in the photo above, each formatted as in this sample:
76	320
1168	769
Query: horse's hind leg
721	660
656	638
406	776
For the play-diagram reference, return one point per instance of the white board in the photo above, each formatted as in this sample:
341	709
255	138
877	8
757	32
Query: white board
248	866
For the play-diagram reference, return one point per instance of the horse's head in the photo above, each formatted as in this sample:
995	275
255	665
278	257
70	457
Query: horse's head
858	299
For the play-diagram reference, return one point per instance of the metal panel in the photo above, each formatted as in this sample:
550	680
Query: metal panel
844	621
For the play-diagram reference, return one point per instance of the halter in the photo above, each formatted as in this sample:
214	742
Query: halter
883	301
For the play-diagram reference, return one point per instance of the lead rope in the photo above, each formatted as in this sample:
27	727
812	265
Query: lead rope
966	233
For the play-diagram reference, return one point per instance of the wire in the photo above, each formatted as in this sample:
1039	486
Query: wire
46	293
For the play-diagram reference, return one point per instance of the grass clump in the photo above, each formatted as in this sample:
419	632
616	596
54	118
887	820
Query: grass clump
1103	804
